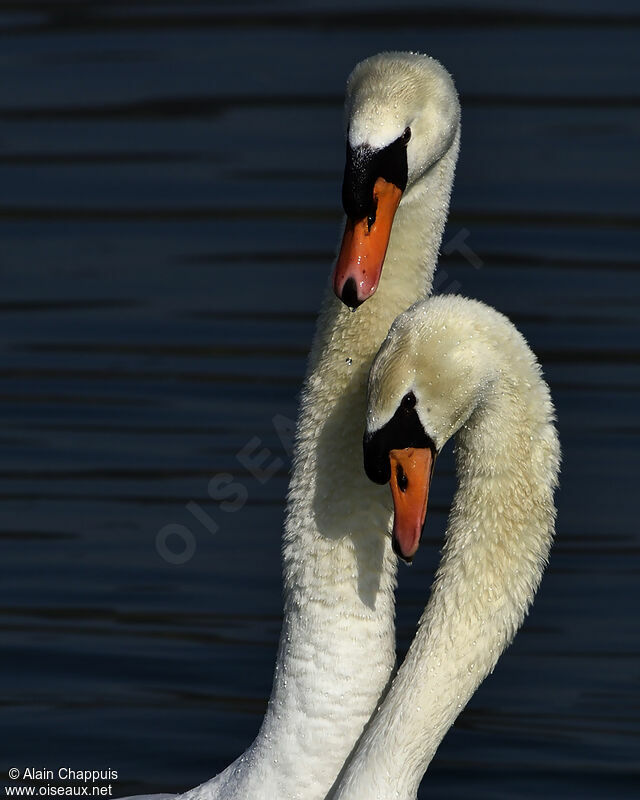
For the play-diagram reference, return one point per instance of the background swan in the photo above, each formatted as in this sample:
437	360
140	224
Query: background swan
337	646
403	136
452	366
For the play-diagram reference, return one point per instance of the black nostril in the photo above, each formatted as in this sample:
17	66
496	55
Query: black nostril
401	478
350	294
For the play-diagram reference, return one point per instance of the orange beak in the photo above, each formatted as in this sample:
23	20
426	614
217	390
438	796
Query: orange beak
363	248
411	470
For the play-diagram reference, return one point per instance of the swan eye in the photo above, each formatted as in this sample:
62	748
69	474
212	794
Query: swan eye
409	400
406	136
370	220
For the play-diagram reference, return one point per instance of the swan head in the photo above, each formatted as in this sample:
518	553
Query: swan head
402	114
432	371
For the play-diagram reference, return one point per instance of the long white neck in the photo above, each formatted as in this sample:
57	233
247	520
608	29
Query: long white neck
337	646
497	541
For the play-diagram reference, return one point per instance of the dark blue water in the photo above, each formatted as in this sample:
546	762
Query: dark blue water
169	207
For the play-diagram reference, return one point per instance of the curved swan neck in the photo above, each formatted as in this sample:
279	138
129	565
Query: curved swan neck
499	533
337	646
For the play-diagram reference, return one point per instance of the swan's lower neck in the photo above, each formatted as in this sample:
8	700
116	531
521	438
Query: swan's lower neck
497	542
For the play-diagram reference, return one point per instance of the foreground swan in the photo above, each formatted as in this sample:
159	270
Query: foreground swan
452	366
337	646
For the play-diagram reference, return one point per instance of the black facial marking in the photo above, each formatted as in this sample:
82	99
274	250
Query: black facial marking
404	429
363	167
409	400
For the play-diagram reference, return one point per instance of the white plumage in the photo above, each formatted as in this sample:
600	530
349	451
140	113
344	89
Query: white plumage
475	378
337	647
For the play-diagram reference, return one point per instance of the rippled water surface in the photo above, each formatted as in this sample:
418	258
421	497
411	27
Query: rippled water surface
169	209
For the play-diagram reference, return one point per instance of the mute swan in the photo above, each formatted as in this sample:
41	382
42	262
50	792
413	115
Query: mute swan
403	135
337	646
452	366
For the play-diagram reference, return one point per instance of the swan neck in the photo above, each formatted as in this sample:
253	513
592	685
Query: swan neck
497	541
339	570
337	645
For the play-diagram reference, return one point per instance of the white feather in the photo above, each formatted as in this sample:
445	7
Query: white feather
474	378
337	647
